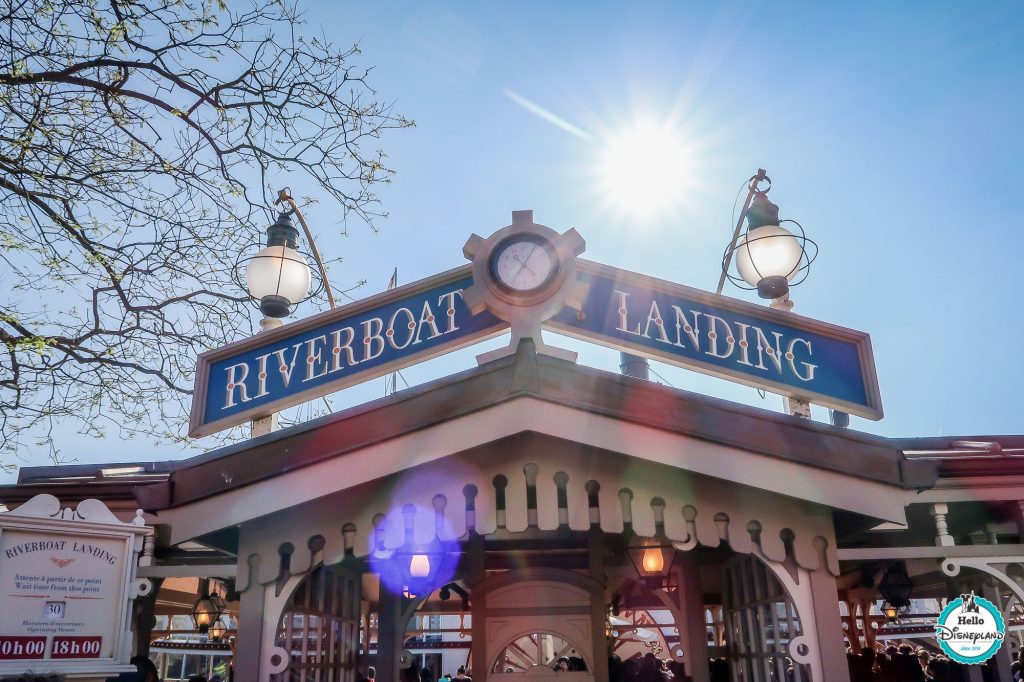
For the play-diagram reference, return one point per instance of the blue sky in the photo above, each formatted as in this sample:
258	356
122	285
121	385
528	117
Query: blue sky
891	132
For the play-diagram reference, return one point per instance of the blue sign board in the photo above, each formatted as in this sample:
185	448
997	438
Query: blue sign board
342	347
717	335
751	344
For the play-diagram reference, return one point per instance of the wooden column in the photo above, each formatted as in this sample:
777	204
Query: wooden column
144	619
477	558
249	642
598	609
1000	663
693	628
390	634
828	628
478	654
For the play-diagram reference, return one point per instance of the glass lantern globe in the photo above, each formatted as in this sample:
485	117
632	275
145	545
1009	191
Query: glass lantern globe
218	629
418	576
419	566
278	277
653	563
767	258
207	609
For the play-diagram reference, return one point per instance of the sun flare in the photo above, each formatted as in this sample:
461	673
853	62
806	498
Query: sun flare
644	171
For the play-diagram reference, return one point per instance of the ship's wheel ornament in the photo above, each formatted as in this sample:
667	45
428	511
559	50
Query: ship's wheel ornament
525	273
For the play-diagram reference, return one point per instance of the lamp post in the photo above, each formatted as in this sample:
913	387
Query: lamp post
278	278
769	257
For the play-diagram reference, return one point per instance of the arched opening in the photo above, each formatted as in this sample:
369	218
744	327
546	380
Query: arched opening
327	632
549	650
760	621
540	622
319	628
438	633
641	620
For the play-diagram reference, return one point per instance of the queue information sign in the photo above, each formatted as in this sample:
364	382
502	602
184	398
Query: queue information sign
67	586
66	580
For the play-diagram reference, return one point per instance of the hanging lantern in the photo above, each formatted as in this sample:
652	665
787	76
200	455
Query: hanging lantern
652	562
419	572
896	585
208	608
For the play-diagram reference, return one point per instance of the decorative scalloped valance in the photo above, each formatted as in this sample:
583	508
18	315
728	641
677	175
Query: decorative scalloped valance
545	487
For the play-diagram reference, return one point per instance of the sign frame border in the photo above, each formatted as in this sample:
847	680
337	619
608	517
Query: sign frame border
862	340
197	427
131	534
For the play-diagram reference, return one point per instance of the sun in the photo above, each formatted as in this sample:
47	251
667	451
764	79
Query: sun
645	171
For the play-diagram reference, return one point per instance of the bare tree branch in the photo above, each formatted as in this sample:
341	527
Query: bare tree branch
137	139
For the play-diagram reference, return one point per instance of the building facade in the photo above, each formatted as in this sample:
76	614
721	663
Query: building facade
531	509
532	517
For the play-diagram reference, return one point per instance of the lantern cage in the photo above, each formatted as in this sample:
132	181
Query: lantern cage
891	613
653	561
896	586
762	227
421	569
207	610
280	243
218	629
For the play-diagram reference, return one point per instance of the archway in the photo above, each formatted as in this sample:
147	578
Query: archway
761	624
528	654
318	631
559	524
555	612
438	633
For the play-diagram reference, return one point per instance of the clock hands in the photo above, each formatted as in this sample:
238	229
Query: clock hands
523	263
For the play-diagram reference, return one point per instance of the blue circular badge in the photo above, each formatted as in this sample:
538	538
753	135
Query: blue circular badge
970	629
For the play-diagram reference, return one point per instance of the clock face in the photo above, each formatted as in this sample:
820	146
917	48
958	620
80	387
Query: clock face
524	263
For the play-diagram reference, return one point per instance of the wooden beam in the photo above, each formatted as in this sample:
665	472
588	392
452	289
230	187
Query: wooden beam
927	552
189	571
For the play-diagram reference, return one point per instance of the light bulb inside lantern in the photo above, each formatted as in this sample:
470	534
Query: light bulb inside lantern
278	272
653	561
769	251
419	566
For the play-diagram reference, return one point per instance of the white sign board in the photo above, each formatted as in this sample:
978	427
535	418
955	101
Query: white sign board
67	579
